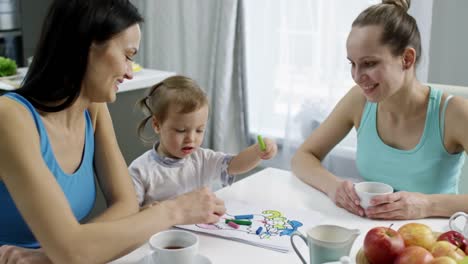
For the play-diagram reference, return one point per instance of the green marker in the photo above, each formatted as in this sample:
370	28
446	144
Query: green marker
239	222
261	143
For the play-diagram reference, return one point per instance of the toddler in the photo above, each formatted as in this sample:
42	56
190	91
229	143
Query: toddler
178	110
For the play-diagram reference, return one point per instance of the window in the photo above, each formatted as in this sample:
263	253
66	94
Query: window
296	62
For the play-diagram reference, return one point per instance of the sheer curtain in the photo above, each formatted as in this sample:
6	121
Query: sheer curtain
297	68
202	39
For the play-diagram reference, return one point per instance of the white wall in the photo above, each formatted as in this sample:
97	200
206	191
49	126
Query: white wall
449	43
421	10
448	53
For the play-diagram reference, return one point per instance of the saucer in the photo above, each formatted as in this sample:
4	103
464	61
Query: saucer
199	259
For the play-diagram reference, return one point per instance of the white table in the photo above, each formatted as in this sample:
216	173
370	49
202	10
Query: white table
262	187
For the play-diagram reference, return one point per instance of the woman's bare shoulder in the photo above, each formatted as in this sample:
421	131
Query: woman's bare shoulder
354	102
456	121
95	110
457	107
356	96
10	110
19	135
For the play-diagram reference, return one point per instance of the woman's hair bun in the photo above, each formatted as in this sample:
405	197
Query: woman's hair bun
405	4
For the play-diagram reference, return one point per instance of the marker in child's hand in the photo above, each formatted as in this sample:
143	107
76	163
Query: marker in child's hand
261	143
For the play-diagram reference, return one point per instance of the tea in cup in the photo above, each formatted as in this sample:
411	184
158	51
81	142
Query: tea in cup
459	222
174	247
367	190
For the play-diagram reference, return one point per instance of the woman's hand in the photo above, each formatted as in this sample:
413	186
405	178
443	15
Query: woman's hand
18	255
345	197
399	205
270	149
199	206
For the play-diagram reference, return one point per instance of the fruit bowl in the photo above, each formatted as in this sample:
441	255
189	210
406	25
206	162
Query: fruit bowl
361	258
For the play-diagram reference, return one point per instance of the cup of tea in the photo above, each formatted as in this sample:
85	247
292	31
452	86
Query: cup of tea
174	247
367	190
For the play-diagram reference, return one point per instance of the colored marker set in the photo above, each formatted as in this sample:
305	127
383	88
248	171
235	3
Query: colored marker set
239	220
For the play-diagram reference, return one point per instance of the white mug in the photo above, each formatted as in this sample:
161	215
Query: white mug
367	190
457	225
174	247
326	243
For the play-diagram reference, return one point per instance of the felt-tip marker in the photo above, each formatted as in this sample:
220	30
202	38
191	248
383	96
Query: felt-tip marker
259	230
239	222
233	225
261	143
248	216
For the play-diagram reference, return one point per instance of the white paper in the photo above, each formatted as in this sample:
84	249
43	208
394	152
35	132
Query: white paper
277	224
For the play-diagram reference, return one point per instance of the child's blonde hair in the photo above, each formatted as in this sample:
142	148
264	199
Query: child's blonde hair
176	90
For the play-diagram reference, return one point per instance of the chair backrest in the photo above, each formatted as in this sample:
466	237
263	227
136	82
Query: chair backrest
451	89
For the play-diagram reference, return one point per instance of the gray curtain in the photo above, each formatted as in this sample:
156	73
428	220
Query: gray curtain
202	39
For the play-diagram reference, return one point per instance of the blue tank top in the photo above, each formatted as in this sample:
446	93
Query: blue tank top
79	187
427	168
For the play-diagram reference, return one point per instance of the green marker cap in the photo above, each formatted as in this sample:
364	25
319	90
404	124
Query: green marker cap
261	143
239	222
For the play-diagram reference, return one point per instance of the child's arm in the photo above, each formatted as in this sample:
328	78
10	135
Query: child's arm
250	157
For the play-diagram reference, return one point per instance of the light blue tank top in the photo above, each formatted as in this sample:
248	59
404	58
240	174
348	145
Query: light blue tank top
427	168
79	187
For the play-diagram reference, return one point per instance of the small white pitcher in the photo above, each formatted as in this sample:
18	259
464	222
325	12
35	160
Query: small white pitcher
457	225
326	243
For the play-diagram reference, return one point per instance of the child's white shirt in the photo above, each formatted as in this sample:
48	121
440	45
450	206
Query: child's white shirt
158	178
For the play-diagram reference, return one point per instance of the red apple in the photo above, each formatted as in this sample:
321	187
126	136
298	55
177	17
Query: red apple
414	255
455	238
444	248
416	234
443	260
382	245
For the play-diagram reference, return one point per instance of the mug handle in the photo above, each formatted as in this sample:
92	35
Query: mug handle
452	225
152	256
297	233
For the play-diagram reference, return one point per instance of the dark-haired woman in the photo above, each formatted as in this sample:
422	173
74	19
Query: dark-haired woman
56	133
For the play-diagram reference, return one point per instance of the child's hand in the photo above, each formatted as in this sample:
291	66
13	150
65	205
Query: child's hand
270	149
